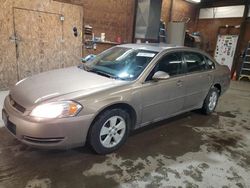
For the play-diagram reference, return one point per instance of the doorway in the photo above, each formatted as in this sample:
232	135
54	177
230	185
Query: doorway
38	37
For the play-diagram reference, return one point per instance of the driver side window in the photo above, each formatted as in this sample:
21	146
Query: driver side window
171	64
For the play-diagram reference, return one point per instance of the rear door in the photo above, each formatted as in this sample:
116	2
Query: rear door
164	98
198	79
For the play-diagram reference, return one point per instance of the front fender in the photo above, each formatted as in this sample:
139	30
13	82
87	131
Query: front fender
97	103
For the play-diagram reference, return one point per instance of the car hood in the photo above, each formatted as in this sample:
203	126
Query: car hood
56	83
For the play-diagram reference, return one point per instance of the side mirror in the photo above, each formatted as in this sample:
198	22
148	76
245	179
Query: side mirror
88	58
160	75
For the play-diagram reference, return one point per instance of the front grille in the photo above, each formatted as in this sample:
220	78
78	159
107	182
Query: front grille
43	140
16	105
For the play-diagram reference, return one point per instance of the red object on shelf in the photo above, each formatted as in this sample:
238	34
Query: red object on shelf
234	76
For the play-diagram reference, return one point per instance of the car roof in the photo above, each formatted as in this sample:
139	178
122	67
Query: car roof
156	47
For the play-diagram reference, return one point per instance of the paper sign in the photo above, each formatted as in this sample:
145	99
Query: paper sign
145	54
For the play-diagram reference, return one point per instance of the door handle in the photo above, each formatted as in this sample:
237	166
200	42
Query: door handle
179	83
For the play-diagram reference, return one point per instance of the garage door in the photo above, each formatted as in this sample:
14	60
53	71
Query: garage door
38	41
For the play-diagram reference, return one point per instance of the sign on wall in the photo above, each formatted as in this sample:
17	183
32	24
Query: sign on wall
225	49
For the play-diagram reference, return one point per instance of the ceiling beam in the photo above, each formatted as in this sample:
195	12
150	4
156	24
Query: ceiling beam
219	3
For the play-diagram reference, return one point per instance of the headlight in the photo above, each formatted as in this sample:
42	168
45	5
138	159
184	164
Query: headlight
56	109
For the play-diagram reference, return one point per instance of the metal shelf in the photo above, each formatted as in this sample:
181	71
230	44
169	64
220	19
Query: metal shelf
245	69
242	75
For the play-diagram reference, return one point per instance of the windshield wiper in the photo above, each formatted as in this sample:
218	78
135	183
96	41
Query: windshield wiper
99	72
84	67
102	73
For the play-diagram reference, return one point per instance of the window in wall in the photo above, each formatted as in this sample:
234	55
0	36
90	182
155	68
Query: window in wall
222	12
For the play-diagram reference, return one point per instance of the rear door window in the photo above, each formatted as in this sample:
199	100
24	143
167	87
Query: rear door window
195	62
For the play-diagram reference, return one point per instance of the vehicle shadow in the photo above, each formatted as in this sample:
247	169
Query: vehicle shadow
172	137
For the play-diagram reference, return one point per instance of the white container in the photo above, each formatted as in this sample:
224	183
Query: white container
102	37
176	33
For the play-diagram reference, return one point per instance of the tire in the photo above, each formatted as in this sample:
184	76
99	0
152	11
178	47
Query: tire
109	131
210	101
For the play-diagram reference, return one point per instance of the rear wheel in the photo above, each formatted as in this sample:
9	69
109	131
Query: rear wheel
110	131
210	101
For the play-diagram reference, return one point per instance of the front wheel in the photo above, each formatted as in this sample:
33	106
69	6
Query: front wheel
110	131
210	101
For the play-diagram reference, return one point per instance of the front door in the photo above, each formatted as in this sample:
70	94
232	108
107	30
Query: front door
164	98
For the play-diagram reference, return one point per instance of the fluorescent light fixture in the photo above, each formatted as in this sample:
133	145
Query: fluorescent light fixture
194	1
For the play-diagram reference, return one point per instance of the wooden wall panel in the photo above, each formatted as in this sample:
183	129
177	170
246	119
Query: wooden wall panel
69	47
246	37
180	9
38	47
8	68
209	29
165	10
113	17
183	8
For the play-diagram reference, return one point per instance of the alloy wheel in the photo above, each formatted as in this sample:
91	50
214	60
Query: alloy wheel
112	131
212	101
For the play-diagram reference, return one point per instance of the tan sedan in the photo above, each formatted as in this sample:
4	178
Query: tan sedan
121	89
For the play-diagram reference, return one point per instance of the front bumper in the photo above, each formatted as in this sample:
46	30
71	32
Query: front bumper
61	133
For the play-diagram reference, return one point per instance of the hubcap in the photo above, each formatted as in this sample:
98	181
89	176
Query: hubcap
112	131
212	101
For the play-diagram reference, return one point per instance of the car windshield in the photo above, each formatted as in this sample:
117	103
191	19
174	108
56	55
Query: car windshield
120	63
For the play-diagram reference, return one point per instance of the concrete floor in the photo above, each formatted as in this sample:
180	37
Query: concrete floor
191	150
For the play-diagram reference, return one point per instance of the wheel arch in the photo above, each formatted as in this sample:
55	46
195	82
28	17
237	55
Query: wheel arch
218	86
122	105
